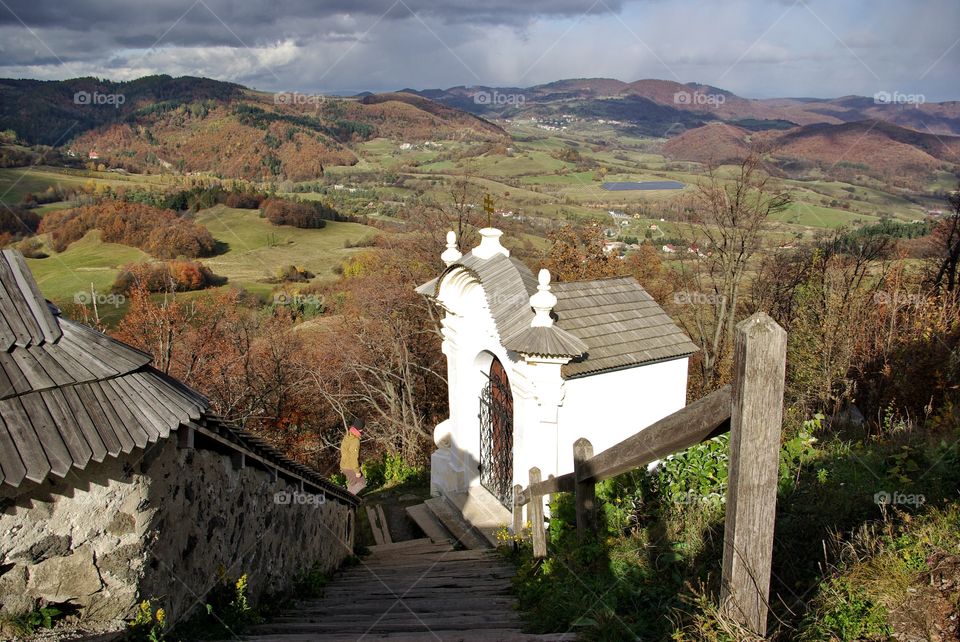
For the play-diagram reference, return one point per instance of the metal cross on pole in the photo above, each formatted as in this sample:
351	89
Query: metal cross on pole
488	208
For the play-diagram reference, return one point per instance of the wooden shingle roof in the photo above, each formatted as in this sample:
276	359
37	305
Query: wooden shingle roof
620	323
617	322
70	395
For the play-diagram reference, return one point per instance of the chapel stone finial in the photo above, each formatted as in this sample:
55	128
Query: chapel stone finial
451	255
490	244
543	301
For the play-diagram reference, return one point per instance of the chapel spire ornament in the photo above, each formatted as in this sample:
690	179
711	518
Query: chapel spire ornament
542	302
451	255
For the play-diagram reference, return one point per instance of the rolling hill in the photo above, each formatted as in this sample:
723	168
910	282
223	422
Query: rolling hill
894	154
187	124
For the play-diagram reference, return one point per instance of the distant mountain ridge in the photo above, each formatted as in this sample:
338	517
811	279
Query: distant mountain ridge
202	125
700	101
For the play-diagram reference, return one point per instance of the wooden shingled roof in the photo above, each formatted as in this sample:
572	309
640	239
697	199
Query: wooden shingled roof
620	323
617	322
70	395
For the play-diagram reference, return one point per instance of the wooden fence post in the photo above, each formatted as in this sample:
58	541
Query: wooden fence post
538	535
517	511
585	492
757	411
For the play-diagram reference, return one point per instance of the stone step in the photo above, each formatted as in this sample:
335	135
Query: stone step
484	511
454	522
429	524
487	635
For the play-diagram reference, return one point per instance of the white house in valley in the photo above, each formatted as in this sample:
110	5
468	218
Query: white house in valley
533	366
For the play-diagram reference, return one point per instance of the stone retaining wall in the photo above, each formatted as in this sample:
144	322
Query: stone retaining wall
165	524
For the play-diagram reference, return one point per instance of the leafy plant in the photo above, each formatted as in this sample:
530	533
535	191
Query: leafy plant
310	582
228	611
846	614
32	621
148	625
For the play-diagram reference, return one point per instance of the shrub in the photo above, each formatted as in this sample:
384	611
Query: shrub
159	232
165	276
308	214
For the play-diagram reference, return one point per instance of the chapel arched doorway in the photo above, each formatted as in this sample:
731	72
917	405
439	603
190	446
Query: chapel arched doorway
496	434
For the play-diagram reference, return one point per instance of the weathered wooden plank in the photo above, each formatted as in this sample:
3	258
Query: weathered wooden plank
517	509
760	353
374	527
51	367
585	499
112	421
701	420
7	388
10	463
95	428
384	526
27	442
157	426
549	486
538	534
66	424
140	431
57	452
185	409
65	360
36	304
76	350
168	412
137	406
13	373
13	308
32	370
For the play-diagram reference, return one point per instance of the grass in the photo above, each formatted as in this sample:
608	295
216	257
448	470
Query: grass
800	213
87	261
15	182
257	249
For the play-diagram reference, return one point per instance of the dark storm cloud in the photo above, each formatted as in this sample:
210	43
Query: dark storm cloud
753	47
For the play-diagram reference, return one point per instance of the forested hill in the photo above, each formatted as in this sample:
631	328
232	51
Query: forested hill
198	124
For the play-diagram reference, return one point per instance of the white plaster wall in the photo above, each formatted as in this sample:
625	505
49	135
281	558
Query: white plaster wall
607	408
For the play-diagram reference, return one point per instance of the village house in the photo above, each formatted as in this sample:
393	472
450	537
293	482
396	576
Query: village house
534	365
119	484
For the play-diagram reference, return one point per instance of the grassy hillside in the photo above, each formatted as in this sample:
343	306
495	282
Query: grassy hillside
257	249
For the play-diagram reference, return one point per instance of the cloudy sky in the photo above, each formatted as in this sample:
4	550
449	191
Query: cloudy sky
757	48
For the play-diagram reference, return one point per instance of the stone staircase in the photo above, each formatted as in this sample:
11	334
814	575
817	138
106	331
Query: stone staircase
411	591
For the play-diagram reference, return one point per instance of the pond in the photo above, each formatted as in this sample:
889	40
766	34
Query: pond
642	185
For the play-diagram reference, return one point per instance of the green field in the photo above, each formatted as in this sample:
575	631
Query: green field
257	249
800	213
16	182
68	277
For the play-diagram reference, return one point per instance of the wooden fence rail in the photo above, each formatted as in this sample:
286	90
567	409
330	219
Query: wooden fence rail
751	410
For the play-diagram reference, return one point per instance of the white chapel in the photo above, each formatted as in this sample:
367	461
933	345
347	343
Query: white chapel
533	366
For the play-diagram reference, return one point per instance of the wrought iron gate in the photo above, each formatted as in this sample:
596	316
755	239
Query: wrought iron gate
496	435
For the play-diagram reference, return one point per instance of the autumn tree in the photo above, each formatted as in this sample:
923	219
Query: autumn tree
946	247
577	253
729	218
